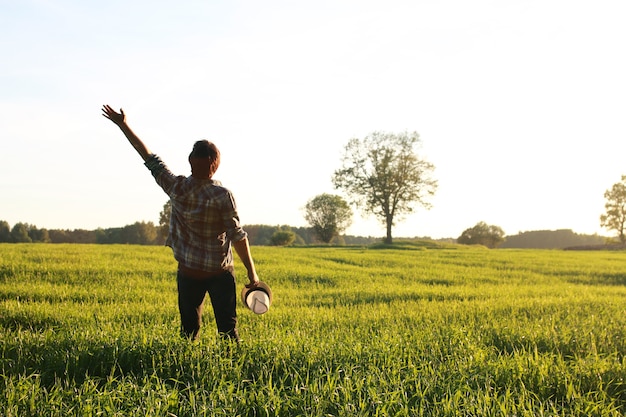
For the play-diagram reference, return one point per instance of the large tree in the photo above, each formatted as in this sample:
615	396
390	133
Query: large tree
615	216
329	215
383	175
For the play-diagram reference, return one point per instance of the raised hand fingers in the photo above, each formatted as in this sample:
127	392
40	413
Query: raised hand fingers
109	113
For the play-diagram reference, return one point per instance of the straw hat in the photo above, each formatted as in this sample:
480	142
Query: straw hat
258	299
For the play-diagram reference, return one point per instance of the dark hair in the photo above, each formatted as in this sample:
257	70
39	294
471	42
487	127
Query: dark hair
203	149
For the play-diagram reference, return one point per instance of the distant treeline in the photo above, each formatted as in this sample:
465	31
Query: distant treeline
552	239
139	233
147	233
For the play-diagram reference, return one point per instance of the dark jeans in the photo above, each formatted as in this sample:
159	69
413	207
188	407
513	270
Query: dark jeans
191	294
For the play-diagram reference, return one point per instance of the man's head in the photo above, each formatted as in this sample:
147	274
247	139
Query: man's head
204	159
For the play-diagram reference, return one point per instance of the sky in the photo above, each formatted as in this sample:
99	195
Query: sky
519	105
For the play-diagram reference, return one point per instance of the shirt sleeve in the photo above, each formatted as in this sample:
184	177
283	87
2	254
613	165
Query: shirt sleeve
230	217
161	173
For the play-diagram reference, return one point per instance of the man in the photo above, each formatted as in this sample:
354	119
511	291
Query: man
203	224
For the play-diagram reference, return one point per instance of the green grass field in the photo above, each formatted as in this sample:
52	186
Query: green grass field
415	330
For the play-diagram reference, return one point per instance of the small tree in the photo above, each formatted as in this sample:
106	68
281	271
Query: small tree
283	238
615	216
139	233
164	222
19	233
482	234
5	231
383	175
329	215
39	235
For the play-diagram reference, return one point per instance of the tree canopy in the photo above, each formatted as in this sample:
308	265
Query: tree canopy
383	175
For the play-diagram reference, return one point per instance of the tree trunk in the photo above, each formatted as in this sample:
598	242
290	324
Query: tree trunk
388	239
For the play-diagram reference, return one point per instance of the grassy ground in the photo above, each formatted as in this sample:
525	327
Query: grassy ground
418	329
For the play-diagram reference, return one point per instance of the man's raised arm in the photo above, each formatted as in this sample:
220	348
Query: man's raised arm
120	120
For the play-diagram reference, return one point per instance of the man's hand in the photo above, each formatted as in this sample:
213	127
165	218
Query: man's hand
120	120
117	118
254	280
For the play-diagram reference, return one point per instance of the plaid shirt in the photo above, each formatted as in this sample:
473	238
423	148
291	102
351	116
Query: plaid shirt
204	219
